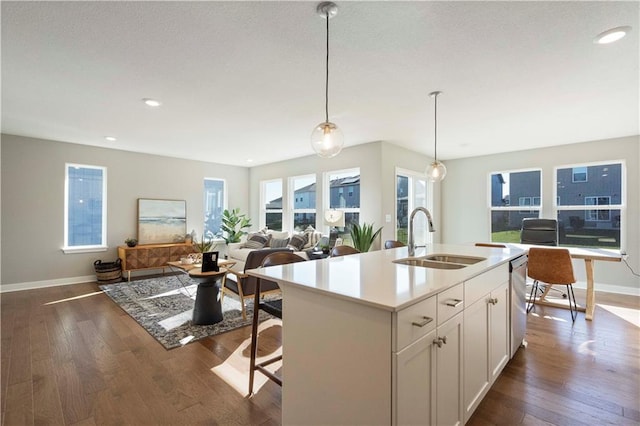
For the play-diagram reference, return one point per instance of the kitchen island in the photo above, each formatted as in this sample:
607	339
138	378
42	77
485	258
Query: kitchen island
367	340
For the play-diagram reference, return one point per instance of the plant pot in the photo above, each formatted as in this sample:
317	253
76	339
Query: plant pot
132	244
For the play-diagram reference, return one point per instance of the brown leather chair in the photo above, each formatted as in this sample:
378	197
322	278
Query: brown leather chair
271	306
389	244
245	285
551	266
343	251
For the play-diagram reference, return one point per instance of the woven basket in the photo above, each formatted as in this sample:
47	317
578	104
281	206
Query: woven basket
108	272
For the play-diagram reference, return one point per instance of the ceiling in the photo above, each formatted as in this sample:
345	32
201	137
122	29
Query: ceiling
242	81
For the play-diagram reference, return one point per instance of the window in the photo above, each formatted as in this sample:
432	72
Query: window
271	202
304	207
412	190
579	174
590	204
214	205
335	183
524	188
85	221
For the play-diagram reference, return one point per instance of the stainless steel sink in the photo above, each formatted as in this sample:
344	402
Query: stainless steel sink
440	261
454	258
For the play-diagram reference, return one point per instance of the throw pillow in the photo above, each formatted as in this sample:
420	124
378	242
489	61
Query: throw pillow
279	242
297	242
257	241
312	236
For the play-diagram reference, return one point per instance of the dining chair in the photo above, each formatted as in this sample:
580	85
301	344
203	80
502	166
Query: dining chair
343	251
551	266
273	307
389	244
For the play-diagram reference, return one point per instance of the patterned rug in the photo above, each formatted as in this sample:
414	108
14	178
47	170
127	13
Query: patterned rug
164	306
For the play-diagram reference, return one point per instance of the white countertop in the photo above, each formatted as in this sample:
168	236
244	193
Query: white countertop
373	279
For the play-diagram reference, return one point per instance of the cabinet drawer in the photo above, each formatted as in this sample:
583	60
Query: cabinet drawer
481	285
415	321
450	302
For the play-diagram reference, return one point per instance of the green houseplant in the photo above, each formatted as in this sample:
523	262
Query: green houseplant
234	225
363	236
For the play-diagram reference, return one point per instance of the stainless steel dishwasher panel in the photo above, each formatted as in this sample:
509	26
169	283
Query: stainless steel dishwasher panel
518	294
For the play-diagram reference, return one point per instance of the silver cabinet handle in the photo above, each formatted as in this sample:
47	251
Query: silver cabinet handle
493	301
454	303
440	341
425	321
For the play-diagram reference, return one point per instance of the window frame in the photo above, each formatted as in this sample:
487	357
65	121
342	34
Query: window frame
411	175
263	203
204	205
326	195
622	207
511	207
66	248
291	209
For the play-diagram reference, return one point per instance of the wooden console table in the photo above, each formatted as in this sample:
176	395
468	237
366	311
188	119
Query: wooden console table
151	256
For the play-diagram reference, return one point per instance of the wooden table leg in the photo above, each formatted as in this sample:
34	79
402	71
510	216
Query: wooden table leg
591	292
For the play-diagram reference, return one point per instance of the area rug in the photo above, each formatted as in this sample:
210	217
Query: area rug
164	307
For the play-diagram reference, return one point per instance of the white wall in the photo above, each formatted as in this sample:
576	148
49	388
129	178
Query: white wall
465	207
33	173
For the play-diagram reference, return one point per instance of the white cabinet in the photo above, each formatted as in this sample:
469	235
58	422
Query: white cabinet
428	372
486	335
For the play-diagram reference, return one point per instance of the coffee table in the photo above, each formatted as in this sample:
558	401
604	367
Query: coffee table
207	308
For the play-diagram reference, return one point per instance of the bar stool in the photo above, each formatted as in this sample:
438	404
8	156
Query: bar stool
273	307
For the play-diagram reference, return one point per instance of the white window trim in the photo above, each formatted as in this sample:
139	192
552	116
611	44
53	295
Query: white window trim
66	249
263	203
410	196
291	210
623	196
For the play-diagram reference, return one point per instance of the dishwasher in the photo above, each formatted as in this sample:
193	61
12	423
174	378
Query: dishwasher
518	295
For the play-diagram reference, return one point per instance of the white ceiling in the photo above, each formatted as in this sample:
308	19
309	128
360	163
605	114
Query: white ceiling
245	80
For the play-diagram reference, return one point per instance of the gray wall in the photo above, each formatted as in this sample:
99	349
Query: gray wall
465	207
33	173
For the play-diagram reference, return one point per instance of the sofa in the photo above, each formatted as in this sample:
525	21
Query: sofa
301	244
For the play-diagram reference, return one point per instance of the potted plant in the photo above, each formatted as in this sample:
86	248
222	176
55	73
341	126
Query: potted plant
325	248
233	225
363	236
131	242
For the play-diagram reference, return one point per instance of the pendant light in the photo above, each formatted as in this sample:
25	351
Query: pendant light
436	170
326	139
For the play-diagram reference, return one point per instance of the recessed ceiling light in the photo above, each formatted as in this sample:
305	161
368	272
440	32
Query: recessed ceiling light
110	138
151	102
609	36
249	160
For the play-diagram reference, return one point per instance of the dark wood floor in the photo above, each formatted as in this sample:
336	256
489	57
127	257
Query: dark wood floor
70	356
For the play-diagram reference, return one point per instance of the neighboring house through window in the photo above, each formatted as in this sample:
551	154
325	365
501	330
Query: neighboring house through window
347	201
271	204
591	204
85	212
524	188
303	209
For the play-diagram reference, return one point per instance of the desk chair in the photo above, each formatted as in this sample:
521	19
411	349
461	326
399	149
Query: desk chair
551	266
343	251
273	307
540	232
245	285
389	244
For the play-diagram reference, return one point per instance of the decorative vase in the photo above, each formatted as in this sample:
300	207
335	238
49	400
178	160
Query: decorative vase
132	244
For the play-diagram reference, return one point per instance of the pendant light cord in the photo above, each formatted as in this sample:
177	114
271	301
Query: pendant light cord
435	129
326	81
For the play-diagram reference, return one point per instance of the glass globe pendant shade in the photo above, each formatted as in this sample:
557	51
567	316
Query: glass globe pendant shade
327	140
436	171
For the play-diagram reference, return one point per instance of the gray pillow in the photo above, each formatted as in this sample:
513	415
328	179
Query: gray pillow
257	241
297	241
279	242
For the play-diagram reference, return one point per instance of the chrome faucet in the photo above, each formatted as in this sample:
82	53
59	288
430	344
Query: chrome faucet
411	244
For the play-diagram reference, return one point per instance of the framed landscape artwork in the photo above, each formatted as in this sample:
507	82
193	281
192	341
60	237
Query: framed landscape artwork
161	221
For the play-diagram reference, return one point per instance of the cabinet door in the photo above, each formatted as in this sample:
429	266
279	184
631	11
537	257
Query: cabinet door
499	330
414	385
449	373
477	378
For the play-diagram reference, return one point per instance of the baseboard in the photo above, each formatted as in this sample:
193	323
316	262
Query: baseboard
610	288
5	288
